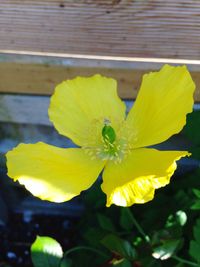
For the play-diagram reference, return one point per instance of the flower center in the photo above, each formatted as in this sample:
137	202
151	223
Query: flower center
111	145
113	148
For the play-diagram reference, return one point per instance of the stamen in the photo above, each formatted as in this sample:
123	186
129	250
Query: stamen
105	144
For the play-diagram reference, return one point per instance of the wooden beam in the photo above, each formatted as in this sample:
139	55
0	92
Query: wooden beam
140	28
23	109
36	74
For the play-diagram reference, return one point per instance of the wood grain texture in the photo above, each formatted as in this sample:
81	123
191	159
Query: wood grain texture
39	75
142	28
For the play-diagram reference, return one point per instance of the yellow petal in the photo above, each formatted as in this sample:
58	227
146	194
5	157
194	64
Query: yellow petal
164	99
52	173
136	178
79	106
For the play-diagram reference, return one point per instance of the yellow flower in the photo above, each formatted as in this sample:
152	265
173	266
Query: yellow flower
89	111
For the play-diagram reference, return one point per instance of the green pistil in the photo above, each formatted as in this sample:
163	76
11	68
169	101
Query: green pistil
109	135
109	138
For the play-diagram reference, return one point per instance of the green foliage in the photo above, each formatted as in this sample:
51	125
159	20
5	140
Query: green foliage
165	251
195	244
191	130
46	251
125	220
180	218
66	263
196	203
121	263
119	246
105	223
156	234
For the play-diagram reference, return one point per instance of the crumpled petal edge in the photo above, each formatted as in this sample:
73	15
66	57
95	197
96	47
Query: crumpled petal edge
116	197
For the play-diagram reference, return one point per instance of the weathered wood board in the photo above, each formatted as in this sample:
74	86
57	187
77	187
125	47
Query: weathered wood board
141	28
34	74
24	109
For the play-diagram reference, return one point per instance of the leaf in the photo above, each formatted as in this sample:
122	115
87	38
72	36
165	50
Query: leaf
194	249
105	223
196	192
119	246
94	198
181	217
166	250
196	205
196	231
125	219
121	263
66	263
93	235
191	130
46	251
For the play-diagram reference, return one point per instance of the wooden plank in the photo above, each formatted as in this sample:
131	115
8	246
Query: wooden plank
141	28
39	74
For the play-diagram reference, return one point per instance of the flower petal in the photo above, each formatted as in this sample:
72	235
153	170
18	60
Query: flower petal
136	178
79	106
160	110
52	173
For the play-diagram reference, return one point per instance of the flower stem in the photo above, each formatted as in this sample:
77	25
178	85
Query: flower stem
185	261
85	248
137	225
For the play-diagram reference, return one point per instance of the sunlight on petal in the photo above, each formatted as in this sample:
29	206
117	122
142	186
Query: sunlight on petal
135	179
52	173
41	189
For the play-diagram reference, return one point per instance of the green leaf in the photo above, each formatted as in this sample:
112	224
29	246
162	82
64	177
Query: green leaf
66	263
93	234
194	249
196	205
94	198
119	246
196	231
181	217
191	130
46	252
196	192
166	250
105	223
125	219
